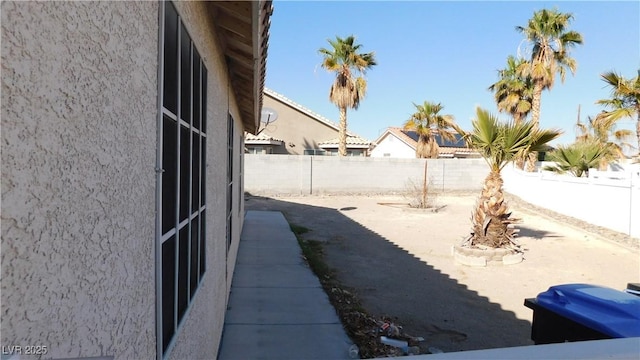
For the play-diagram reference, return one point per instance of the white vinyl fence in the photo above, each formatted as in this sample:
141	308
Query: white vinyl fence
608	199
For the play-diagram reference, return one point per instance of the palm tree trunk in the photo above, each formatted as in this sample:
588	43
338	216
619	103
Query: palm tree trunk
535	102
342	133
638	128
429	148
517	118
421	147
535	118
490	218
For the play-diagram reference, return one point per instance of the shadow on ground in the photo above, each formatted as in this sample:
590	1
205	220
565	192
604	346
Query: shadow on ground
535	233
392	282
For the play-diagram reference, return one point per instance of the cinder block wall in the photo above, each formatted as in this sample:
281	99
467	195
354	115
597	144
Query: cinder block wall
313	175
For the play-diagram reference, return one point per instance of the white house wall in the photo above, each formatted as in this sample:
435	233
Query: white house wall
79	141
393	146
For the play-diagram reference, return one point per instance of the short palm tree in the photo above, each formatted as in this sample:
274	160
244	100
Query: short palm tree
625	101
577	158
551	43
350	86
428	123
499	143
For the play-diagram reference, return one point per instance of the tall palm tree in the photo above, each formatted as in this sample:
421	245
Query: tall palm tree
551	43
350	86
499	143
513	92
428	123
625	101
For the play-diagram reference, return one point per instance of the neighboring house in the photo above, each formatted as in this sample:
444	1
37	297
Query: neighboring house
260	144
356	146
297	131
399	143
122	188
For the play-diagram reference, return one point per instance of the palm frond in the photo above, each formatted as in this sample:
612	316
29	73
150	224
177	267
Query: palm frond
347	63
427	122
501	143
577	158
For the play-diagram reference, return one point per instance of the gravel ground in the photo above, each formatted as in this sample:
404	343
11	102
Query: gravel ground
399	263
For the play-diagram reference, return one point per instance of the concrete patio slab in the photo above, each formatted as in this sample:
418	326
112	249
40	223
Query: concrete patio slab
277	308
312	341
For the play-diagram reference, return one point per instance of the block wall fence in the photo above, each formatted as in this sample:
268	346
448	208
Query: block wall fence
607	199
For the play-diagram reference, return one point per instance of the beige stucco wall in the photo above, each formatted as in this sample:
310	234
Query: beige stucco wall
297	128
79	99
79	122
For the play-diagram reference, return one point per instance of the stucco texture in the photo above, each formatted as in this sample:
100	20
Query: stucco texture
297	130
79	119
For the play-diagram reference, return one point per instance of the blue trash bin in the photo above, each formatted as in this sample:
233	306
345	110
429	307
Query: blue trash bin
578	312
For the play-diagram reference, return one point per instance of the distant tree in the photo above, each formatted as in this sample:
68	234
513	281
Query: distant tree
551	43
602	130
499	143
513	92
625	100
350	86
576	158
428	123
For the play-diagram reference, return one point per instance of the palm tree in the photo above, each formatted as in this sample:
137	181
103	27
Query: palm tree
625	101
601	130
499	144
349	87
428	123
551	43
577	158
513	92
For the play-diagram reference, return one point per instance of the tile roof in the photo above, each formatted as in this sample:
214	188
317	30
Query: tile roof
399	133
249	137
351	140
410	138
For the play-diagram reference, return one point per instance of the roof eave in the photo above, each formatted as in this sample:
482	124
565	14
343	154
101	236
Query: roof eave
243	29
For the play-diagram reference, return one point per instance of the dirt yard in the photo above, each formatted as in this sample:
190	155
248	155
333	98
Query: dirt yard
400	264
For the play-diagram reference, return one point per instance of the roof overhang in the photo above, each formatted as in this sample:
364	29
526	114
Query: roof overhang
243	28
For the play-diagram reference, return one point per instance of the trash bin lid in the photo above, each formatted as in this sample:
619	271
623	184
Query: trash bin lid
612	312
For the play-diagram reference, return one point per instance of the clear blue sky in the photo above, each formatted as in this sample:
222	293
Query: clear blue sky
447	52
